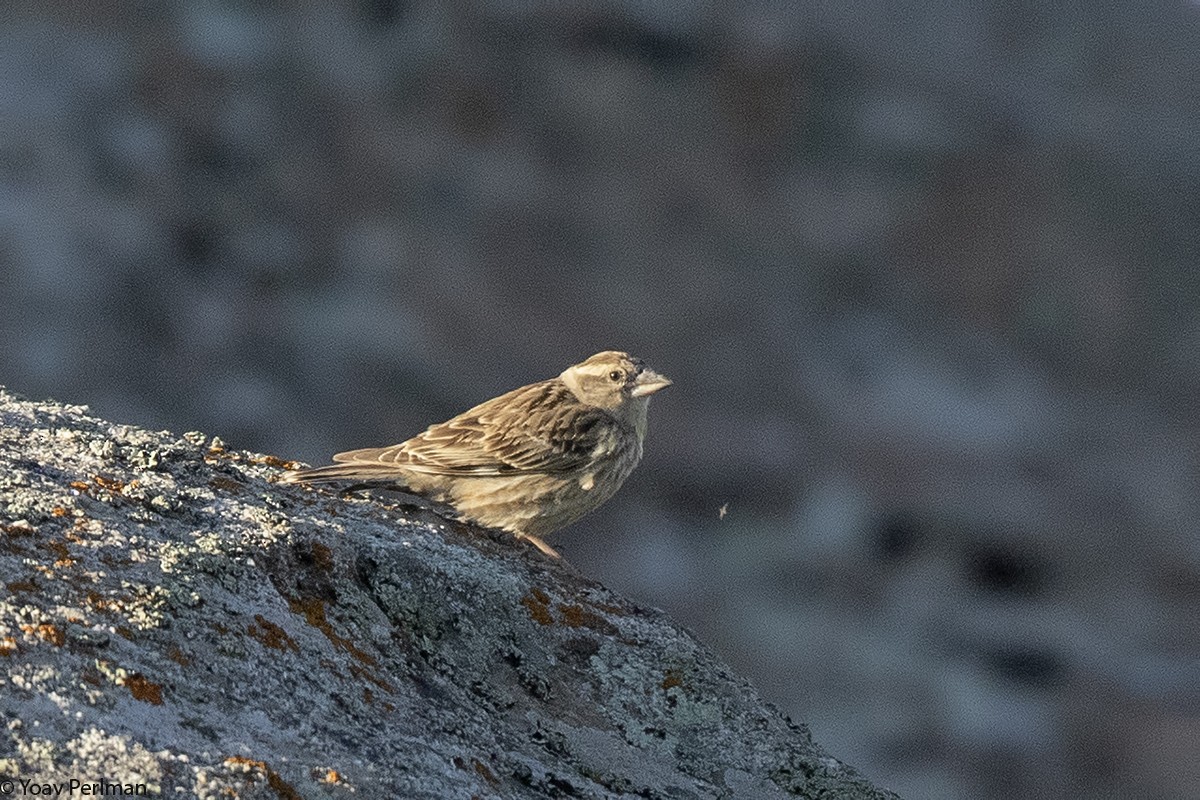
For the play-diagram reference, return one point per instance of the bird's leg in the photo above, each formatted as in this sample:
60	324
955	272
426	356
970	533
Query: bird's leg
539	544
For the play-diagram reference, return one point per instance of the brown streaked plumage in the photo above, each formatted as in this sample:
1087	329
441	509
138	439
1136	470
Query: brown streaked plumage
530	461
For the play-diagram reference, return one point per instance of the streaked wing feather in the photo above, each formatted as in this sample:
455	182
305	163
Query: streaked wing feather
540	428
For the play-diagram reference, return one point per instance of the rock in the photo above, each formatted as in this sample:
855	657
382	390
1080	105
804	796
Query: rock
170	617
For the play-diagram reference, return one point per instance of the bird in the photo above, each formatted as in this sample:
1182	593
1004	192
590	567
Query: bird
528	462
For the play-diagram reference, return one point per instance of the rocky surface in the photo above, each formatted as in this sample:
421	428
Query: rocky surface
169	616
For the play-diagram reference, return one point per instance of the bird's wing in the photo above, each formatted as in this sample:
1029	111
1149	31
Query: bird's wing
540	428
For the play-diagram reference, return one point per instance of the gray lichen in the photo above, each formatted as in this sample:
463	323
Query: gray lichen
170	616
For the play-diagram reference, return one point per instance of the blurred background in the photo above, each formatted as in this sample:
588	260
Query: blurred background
925	276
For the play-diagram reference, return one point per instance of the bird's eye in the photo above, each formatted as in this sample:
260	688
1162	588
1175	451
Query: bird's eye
616	376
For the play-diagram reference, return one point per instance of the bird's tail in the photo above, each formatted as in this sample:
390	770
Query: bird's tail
360	473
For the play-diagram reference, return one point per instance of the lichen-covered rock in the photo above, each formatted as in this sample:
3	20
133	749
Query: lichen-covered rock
171	618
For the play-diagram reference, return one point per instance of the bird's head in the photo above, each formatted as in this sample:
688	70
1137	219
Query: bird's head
614	380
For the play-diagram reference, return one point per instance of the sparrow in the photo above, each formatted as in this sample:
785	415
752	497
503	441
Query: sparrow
528	462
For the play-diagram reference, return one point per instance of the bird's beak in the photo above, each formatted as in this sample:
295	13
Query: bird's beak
648	383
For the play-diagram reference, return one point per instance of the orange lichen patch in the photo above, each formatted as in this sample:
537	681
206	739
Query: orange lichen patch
98	601
478	767
271	635
482	771
62	554
21	586
179	657
580	617
671	679
8	646
275	461
15	532
283	790
143	689
322	557
52	634
361	672
59	511
110	484
314	614
313	610
47	631
538	604
330	776
221	483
